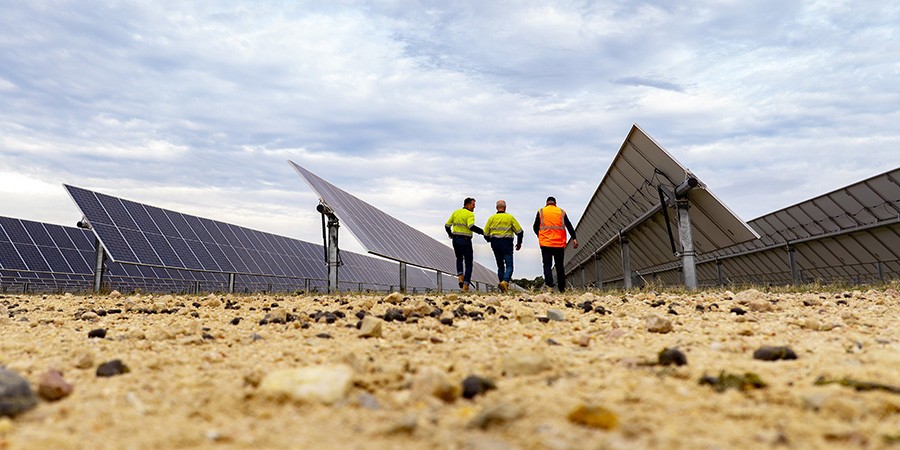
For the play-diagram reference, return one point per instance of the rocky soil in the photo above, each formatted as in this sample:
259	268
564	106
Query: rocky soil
706	370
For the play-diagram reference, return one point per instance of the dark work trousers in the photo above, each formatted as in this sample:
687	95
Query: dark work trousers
554	256
503	254
462	246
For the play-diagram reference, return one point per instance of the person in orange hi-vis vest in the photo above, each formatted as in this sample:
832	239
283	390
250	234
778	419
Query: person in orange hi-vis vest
550	226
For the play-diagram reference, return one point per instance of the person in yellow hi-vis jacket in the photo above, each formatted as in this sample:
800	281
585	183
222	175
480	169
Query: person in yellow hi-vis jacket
499	231
460	227
550	224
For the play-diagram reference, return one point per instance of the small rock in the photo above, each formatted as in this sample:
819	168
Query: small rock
323	384
473	385
524	314
370	326
525	363
594	416
97	333
115	294
495	415
84	359
393	298
112	368
53	387
582	340
368	401
738	311
669	356
15	394
745	297
555	314
774	353
761	305
236	320
656	324
405	425
430	381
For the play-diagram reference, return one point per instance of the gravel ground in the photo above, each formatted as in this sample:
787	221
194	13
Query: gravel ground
582	370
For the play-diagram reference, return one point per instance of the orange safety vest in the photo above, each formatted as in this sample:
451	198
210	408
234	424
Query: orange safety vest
553	231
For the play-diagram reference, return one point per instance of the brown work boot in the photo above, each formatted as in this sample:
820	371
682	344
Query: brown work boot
504	286
465	287
461	278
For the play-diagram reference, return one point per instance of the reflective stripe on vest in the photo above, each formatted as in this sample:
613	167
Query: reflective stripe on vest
553	230
459	222
502	225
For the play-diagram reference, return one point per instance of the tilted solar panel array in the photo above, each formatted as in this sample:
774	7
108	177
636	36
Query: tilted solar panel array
384	235
43	256
851	234
627	203
149	237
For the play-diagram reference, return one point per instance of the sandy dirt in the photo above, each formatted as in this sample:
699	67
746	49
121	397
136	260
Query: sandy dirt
197	379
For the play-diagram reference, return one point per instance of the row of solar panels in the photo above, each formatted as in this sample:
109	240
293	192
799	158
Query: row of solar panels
37	256
849	235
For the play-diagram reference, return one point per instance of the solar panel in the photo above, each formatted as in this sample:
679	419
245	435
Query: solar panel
627	201
386	236
179	246
851	234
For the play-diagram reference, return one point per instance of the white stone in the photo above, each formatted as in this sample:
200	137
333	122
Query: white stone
322	384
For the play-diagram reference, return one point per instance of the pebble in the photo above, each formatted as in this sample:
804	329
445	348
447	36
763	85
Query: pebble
15	394
97	333
394	314
84	359
393	298
433	382
115	294
594	417
53	387
555	314
370	326
497	414
236	320
771	353
525	363
473	385
322	384
748	296
738	311
761	305
524	314
112	368
670	356
656	324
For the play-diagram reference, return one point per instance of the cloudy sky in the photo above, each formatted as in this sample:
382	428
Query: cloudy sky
412	106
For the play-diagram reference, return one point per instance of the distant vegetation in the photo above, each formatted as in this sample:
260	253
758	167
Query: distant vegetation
536	283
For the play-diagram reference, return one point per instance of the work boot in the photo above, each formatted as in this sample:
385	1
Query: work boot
504	286
461	278
465	287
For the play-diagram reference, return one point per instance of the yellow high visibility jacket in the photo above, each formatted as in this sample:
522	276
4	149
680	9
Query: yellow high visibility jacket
460	221
502	225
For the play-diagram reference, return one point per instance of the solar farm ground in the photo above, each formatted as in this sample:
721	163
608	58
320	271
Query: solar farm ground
574	371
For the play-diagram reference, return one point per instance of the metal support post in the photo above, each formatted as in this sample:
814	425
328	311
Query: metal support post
99	266
439	283
688	256
792	260
880	271
333	254
719	277
231	283
402	276
582	277
626	261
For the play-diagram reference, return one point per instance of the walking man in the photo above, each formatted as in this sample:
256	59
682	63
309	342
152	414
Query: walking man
499	231
550	225
460	227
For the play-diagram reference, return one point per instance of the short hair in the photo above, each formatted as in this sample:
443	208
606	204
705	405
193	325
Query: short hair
501	204
468	200
551	199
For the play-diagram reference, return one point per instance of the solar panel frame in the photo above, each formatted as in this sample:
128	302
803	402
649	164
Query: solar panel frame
385	236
